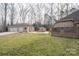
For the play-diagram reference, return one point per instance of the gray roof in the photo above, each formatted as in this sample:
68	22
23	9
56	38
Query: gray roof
73	16
19	25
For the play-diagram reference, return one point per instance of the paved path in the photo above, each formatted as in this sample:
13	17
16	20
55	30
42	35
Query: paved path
39	32
6	33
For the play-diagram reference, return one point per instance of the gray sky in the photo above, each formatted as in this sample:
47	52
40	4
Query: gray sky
43	8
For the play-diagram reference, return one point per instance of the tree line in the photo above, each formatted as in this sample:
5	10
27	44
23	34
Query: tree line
37	14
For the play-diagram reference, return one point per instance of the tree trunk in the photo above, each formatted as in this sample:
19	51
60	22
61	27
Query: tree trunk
5	10
67	8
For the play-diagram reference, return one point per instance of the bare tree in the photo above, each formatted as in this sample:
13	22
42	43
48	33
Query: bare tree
23	12
1	14
67	8
39	12
12	13
33	13
62	6
4	15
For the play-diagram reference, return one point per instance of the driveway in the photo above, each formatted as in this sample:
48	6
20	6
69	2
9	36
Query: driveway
6	33
40	32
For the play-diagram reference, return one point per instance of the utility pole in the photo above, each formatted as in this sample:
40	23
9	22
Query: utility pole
51	13
58	11
50	28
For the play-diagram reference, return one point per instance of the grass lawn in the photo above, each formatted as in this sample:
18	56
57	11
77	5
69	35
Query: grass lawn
37	44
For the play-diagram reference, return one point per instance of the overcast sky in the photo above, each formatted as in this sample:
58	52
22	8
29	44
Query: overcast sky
44	8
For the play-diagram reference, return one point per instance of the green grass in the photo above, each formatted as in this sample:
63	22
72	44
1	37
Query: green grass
29	44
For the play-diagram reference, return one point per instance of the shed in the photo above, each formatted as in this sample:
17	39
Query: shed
67	26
